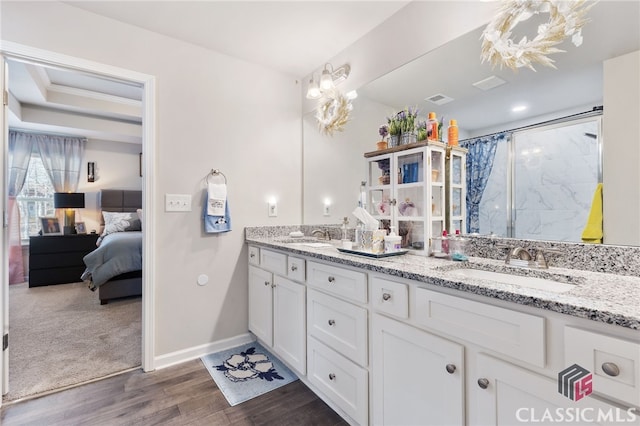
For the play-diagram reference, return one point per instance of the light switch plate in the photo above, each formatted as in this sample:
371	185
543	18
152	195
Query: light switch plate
273	209
177	202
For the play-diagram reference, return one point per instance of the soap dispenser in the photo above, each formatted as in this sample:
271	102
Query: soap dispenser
392	242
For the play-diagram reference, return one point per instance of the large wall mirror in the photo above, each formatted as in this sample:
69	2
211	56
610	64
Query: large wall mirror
334	167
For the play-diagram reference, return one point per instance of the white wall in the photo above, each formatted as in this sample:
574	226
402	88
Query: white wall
117	167
213	111
621	150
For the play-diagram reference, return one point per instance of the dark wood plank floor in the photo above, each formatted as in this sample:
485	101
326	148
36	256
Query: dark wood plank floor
181	395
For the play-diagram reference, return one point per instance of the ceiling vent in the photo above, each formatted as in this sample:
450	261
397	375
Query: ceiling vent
489	83
439	99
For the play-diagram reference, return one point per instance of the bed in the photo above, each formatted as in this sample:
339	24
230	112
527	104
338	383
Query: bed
114	269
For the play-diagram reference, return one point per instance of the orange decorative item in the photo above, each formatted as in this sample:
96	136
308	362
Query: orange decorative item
381	145
432	127
452	139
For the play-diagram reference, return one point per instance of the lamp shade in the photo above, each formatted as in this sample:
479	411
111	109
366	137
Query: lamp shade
68	200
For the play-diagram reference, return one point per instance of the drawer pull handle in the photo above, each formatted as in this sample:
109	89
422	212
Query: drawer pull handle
331	279
332	376
294	268
386	296
483	383
610	369
331	322
273	285
451	368
267	283
252	255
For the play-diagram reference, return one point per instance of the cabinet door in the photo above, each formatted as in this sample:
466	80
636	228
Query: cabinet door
261	304
514	395
289	323
418	378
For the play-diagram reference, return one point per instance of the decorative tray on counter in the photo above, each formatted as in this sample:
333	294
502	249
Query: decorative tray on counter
373	255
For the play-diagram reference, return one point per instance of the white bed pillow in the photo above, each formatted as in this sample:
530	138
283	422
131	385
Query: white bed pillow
139	212
120	222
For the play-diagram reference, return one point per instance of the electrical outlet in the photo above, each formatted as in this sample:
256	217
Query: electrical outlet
273	209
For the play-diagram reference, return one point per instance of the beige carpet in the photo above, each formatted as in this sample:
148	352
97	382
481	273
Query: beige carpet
60	335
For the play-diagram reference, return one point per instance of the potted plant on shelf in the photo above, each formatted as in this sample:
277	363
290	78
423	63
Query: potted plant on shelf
394	130
407	119
421	128
383	131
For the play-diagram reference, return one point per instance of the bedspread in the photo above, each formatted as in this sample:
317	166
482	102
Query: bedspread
117	254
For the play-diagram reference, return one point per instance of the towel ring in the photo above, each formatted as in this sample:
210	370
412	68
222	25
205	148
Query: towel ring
216	173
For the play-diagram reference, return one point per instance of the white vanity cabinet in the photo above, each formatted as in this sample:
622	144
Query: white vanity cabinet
418	378
509	395
277	306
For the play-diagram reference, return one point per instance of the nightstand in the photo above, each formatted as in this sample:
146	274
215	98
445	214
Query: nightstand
57	259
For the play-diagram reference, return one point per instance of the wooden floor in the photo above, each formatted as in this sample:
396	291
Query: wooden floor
181	395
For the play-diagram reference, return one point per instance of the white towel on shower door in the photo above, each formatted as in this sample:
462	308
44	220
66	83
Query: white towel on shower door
216	199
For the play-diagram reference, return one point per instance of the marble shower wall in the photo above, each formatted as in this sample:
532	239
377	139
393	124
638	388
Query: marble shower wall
556	173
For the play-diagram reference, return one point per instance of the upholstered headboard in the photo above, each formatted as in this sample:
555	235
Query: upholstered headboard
119	200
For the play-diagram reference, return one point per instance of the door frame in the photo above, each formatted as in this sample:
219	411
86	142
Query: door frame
17	51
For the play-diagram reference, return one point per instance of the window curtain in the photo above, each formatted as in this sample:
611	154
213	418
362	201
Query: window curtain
62	158
480	157
20	147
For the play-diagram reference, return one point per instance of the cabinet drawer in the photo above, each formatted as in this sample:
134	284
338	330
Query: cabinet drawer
273	261
597	353
296	268
390	297
254	255
342	282
40	277
340	380
56	260
338	324
512	333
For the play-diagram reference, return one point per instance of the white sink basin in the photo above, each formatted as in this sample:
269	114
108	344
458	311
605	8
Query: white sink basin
519	280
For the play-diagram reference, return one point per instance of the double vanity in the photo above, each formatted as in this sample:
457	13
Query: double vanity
414	340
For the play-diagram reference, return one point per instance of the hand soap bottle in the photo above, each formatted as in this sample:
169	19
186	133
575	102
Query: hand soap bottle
392	242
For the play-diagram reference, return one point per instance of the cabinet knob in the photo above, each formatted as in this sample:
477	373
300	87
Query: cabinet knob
252	255
331	322
294	268
483	383
332	376
331	279
386	296
273	285
451	368
610	369
267	283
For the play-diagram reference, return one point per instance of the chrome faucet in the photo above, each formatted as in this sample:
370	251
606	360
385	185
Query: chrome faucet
325	235
519	256
541	261
518	253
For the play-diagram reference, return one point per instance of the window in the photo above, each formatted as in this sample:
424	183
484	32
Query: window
36	198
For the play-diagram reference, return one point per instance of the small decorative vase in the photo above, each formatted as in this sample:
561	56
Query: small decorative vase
381	145
407	138
394	140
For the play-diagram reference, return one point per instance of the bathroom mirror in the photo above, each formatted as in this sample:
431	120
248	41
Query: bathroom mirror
334	167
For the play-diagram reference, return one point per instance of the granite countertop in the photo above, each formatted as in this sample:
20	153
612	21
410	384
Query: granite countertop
607	298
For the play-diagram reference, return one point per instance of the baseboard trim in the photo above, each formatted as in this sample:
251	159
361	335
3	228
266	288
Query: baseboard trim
178	357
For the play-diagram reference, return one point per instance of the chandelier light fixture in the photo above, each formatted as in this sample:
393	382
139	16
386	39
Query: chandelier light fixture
566	19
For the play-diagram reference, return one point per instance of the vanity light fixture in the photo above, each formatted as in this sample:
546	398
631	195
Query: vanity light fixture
329	78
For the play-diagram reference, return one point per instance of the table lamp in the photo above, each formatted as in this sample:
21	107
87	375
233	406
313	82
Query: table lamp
69	201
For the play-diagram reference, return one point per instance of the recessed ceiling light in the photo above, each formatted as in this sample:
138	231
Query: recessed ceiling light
518	108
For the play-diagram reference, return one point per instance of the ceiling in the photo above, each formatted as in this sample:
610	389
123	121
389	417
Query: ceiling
294	37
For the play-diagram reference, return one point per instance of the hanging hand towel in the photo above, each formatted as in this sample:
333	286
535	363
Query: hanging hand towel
216	199
593	231
214	224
